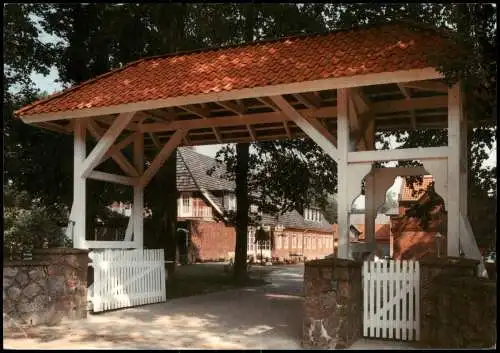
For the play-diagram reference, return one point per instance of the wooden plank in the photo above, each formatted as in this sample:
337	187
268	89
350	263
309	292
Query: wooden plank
161	157
254	92
105	143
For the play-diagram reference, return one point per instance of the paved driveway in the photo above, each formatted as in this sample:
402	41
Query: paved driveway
266	317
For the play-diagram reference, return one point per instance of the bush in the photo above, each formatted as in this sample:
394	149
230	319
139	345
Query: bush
29	225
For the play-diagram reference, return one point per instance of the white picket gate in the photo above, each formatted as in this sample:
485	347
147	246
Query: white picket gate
391	300
125	278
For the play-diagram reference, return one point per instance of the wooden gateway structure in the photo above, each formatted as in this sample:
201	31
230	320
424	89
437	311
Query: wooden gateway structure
338	89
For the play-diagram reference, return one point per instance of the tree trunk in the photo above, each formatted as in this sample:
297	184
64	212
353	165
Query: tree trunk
240	256
242	156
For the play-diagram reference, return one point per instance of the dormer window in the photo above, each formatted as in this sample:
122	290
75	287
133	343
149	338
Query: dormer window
312	215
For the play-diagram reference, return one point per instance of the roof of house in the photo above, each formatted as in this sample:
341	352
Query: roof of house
192	176
408	194
364	50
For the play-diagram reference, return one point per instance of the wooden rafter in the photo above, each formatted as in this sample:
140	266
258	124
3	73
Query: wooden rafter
433	86
258	118
413	119
161	157
105	142
204	113
308	99
322	137
117	156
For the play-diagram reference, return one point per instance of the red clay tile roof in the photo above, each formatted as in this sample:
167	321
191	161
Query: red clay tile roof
409	194
384	48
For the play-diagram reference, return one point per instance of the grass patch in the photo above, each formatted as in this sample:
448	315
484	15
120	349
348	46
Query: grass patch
208	278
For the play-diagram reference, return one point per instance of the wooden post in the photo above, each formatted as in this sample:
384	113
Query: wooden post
79	184
370	209
138	205
342	186
454	189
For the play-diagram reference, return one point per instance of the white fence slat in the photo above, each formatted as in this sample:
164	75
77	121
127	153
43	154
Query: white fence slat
372	299
397	275
390	286
124	278
411	322
417	300
404	309
384	298
365	279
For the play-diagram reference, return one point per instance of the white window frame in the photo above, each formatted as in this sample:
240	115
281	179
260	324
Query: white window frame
186	204
230	202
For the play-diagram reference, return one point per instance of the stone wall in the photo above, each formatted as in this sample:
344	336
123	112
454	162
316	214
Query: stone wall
458	308
333	303
46	289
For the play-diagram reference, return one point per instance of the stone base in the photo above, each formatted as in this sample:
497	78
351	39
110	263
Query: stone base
333	303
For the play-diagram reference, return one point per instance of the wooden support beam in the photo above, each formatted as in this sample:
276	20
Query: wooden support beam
155	140
55	127
235	108
287	129
307	99
117	156
405	104
161	157
398	154
433	86
324	141
105	143
343	145
117	147
79	185
249	119
113	178
413	119
203	113
455	118
138	204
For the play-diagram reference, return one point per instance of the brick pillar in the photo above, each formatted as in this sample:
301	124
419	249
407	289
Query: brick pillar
430	268
67	281
333	303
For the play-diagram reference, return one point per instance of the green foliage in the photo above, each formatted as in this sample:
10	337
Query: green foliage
29	225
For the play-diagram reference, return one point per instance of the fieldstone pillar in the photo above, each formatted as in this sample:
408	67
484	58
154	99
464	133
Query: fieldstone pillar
333	303
67	281
430	268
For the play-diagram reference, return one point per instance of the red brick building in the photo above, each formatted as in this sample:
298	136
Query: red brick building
204	236
410	240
